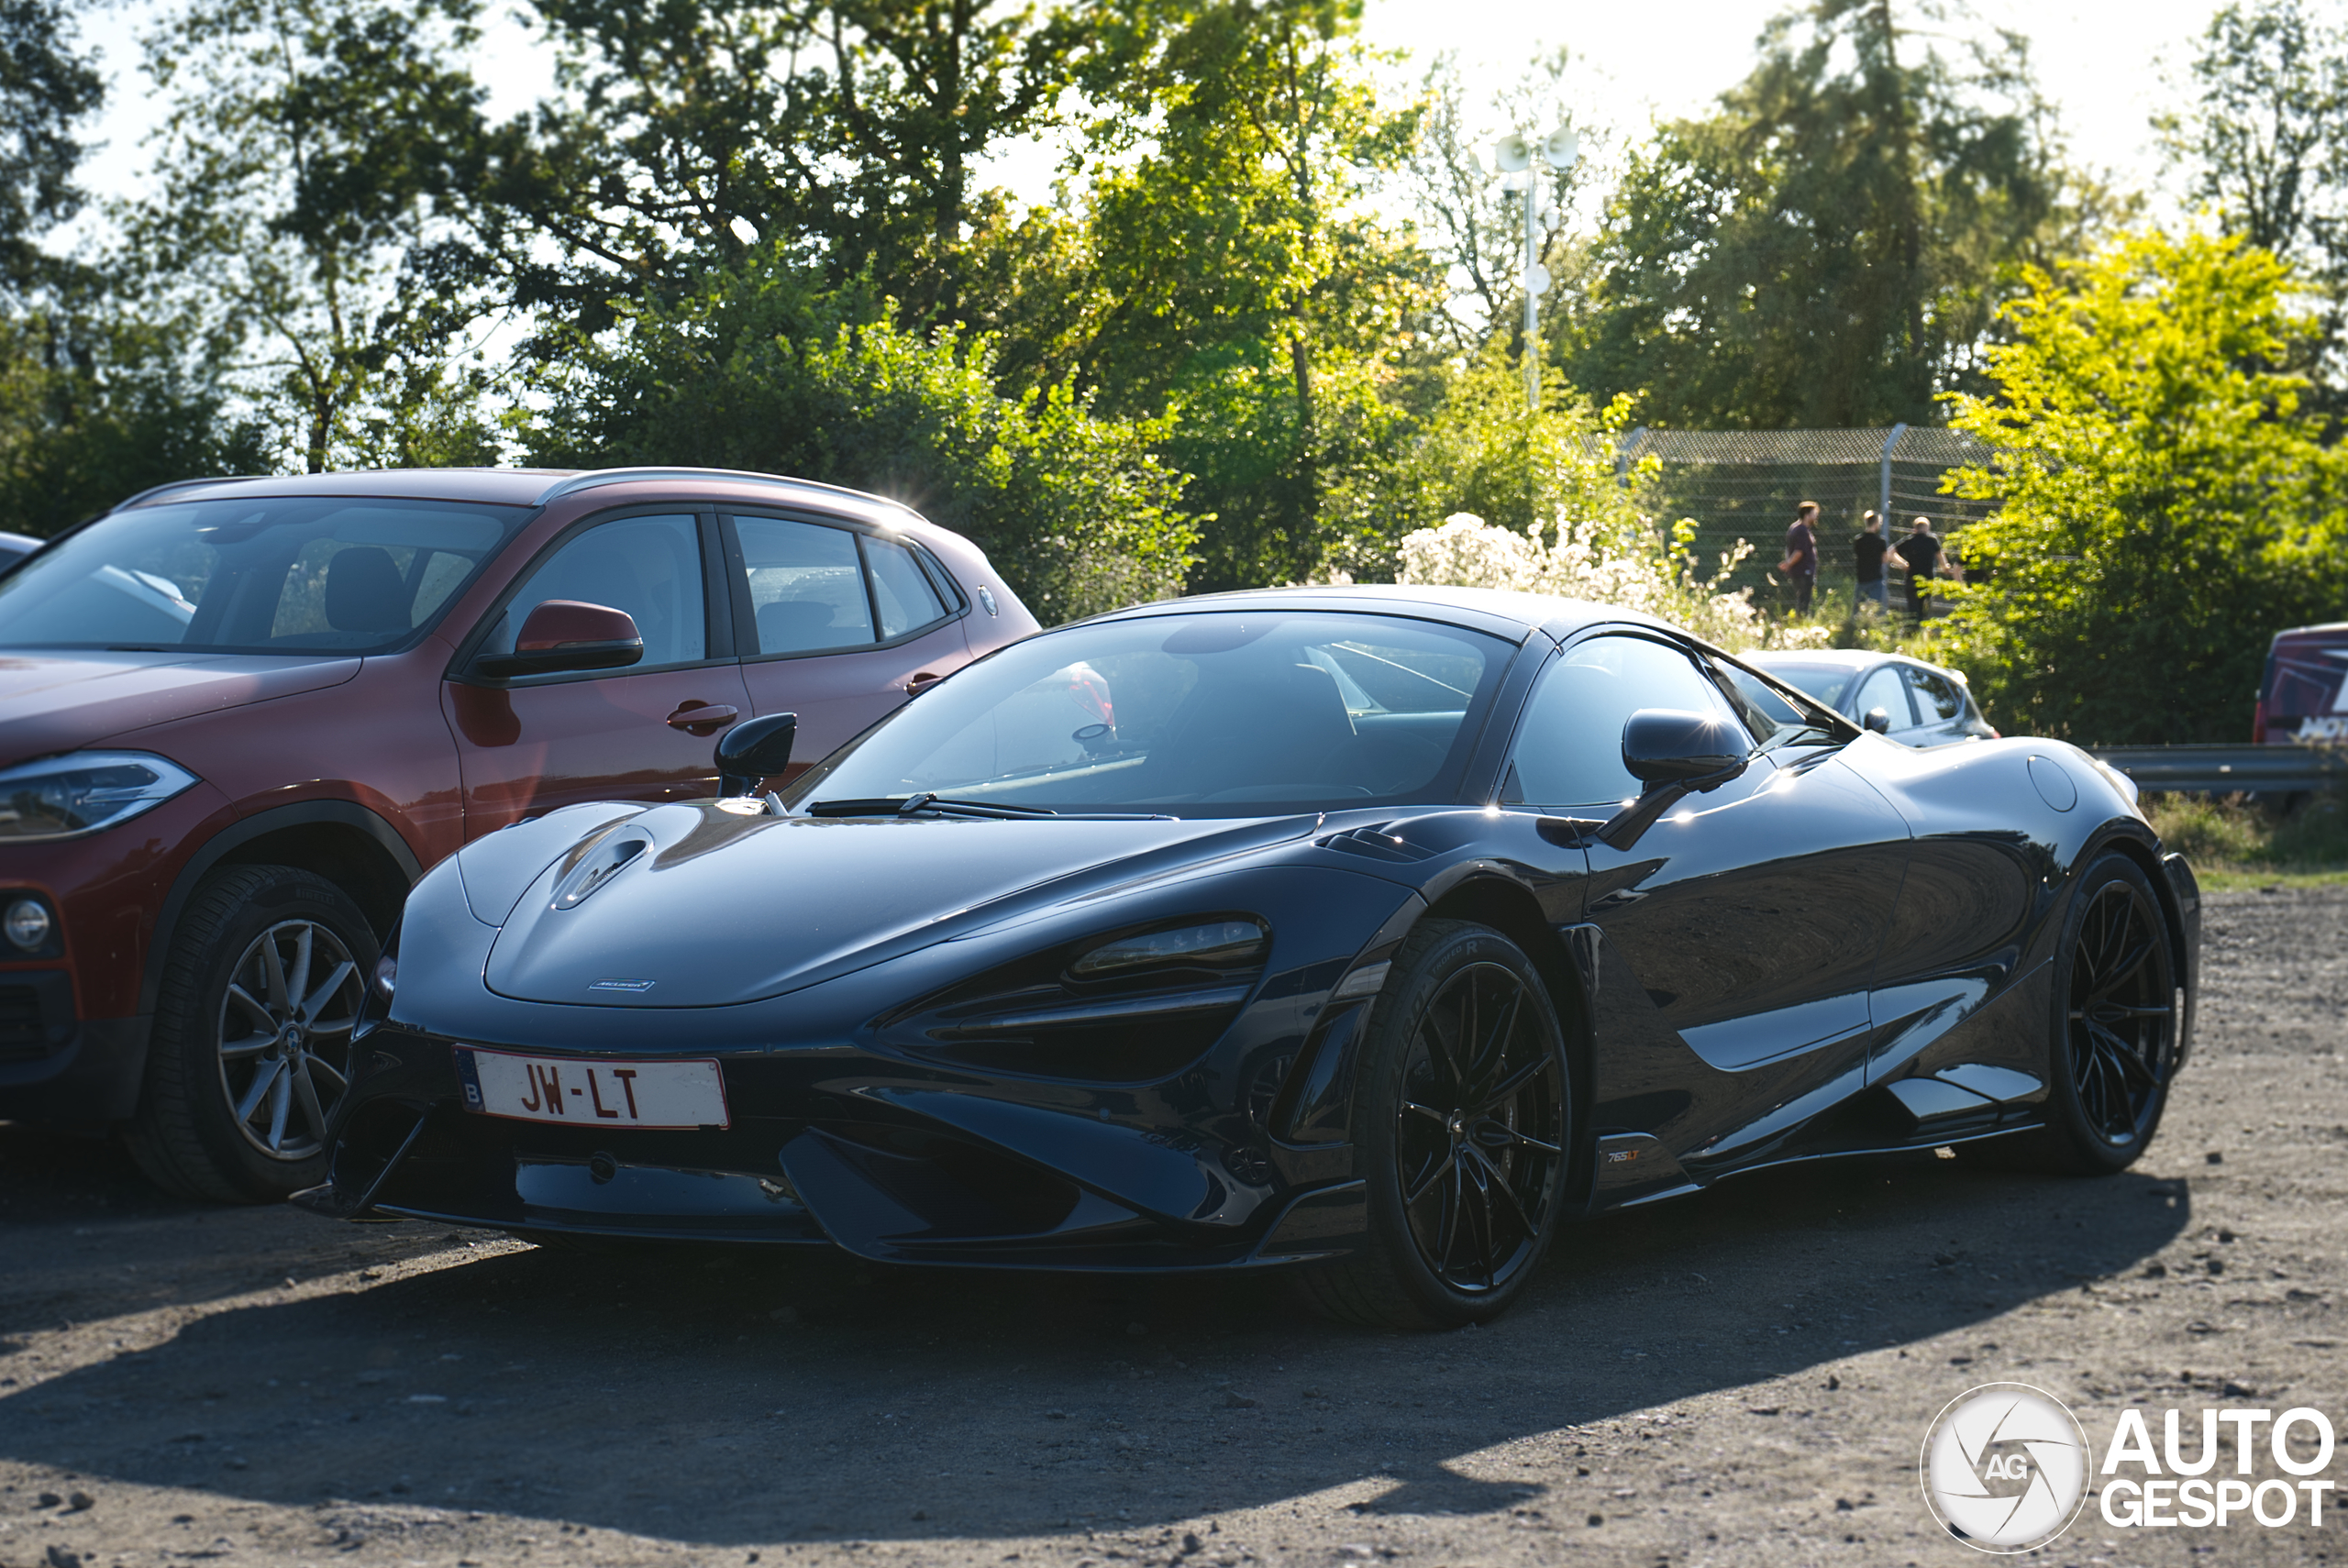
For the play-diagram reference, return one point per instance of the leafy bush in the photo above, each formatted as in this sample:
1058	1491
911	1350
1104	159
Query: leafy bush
2165	505
761	368
2232	834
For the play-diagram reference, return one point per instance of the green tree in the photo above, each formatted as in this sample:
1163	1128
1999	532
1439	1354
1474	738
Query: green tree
2166	504
46	91
93	404
690	134
289	229
1830	247
94	407
1242	281
2265	145
764	366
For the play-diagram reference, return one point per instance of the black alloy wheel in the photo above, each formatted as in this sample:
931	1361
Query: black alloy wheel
2121	1015
1464	1112
252	1036
2113	1037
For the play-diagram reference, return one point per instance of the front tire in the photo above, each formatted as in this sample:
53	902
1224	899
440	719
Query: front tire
1463	1115
251	1044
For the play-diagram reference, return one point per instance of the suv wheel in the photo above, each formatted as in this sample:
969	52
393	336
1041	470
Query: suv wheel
251	1046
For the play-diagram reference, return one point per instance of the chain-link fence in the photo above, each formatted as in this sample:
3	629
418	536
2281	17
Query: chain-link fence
1745	484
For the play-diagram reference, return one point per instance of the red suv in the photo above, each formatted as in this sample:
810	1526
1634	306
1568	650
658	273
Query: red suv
239	718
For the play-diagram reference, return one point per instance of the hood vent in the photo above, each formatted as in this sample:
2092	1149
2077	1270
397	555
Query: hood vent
604	860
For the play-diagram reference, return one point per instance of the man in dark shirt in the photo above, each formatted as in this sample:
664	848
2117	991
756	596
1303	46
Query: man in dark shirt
1869	548
1801	565
1920	557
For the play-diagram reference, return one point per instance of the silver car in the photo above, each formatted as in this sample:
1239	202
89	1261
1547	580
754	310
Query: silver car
1916	703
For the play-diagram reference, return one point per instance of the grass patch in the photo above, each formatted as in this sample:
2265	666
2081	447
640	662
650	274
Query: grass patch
2234	842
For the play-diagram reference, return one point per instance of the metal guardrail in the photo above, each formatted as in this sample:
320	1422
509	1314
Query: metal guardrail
2223	769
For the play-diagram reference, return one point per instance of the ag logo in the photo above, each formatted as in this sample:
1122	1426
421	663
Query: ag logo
2005	1467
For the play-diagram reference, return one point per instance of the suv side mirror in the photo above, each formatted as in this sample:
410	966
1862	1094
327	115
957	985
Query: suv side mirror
562	636
1674	754
758	750
1879	719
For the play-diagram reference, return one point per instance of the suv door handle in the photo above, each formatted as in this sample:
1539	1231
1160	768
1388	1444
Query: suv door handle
920	682
703	718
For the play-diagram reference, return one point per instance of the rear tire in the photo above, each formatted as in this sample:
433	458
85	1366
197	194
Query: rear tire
2112	1048
251	1044
1463	1115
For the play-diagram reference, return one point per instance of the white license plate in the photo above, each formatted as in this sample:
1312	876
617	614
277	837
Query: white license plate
575	1092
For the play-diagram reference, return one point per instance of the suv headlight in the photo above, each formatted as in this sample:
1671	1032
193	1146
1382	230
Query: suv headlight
60	797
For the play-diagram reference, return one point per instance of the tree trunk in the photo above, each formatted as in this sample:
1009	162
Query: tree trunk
952	176
1308	463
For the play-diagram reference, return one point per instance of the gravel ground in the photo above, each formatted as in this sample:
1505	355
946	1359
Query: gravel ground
1743	1377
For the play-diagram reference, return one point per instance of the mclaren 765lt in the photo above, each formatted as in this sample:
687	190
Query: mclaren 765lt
1371	933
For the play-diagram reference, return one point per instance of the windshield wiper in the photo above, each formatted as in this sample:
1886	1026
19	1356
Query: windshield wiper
916	805
920	805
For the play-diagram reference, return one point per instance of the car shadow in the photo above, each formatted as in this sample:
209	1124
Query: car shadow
88	1236
726	1398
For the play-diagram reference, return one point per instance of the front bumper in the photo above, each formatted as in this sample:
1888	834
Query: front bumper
839	1146
59	1068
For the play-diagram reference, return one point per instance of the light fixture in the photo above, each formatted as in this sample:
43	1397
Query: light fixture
1212	943
27	924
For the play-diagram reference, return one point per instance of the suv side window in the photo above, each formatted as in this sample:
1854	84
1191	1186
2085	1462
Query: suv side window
806	584
1569	747
649	566
1936	700
906	598
1885	690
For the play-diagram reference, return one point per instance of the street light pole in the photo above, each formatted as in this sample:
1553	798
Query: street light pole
1537	284
1514	157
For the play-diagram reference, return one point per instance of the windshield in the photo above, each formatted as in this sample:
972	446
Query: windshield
1214	714
1827	682
291	574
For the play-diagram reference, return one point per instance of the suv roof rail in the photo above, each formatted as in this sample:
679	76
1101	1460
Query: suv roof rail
154	490
596	477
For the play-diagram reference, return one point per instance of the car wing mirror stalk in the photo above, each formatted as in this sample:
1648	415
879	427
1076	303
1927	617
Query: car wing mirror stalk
748	754
1675	755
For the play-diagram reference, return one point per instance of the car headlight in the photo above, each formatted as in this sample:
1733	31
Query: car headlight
60	797
1216	943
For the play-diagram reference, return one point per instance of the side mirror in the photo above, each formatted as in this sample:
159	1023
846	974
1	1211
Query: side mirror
758	750
563	634
1879	719
1675	754
1663	745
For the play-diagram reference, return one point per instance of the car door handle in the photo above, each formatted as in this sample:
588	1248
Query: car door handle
703	718
921	683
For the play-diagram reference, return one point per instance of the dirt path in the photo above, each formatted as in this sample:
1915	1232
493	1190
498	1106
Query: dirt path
1740	1378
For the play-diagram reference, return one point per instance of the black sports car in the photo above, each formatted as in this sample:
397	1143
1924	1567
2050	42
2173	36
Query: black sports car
1368	931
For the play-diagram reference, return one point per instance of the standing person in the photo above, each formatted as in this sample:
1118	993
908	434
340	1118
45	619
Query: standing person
1869	548
1920	557
1801	564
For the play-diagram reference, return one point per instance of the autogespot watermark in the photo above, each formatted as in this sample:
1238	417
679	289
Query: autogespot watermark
2007	1468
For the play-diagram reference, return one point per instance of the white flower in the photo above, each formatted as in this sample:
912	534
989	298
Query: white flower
1628	567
